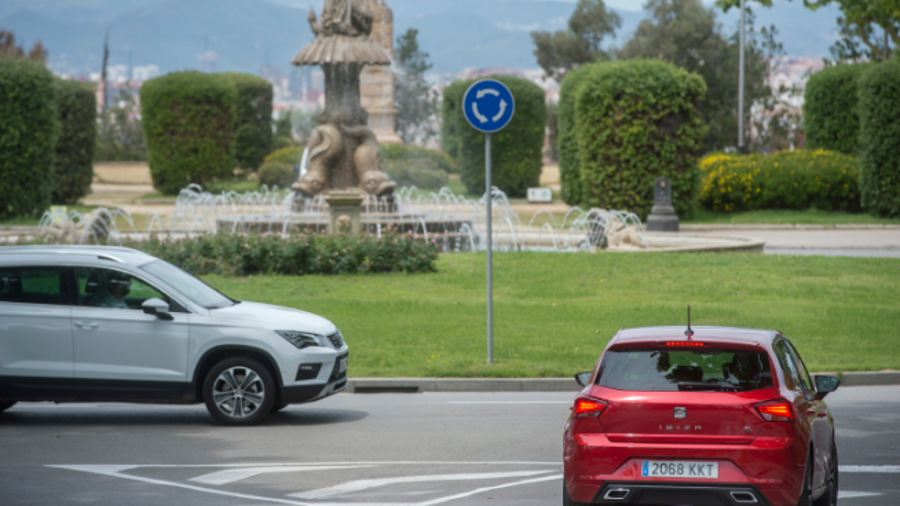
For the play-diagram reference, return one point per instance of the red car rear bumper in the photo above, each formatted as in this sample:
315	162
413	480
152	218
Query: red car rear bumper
773	467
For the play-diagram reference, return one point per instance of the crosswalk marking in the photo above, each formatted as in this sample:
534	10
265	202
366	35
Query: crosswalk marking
232	475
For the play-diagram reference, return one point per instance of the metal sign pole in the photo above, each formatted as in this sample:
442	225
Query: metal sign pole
490	247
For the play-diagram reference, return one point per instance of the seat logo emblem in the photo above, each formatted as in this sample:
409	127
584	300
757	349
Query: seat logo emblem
680	412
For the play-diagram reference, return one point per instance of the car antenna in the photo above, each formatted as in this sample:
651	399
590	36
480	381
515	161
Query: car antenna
689	332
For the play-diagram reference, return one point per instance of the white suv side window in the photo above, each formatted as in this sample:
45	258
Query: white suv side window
99	287
33	285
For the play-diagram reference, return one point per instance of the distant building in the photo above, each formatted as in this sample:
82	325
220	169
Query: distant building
145	73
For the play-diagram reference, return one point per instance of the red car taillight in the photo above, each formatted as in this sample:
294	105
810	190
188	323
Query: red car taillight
585	408
775	411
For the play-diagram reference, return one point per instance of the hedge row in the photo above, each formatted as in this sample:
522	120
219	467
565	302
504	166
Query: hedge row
567	144
29	128
517	157
801	179
830	113
253	129
74	168
295	255
623	125
400	153
879	138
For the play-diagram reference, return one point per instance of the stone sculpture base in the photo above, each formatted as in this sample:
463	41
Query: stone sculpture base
343	212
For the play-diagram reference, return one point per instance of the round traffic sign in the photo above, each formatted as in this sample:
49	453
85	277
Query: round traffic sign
489	106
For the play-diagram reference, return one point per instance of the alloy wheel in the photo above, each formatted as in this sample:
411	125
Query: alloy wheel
239	392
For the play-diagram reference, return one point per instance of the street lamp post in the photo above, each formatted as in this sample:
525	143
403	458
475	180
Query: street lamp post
741	147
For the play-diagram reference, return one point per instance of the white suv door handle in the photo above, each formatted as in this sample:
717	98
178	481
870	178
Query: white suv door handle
86	325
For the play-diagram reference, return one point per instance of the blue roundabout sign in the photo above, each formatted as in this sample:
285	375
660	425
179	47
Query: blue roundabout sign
489	106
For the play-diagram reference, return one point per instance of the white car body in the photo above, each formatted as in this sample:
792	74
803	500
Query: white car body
66	352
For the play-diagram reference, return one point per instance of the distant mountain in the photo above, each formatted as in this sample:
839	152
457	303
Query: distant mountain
246	34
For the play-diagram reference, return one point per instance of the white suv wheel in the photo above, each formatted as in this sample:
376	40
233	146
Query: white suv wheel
239	391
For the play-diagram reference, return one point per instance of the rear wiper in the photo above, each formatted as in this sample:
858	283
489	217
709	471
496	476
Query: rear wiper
685	385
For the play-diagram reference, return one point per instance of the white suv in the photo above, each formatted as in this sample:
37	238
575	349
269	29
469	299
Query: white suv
102	324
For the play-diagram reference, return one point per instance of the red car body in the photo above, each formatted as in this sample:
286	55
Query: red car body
762	440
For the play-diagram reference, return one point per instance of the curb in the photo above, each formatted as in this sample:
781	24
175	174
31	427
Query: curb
418	385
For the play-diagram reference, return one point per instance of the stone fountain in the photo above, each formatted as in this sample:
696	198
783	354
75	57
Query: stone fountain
343	150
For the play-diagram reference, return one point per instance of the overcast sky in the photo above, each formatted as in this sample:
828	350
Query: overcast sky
631	5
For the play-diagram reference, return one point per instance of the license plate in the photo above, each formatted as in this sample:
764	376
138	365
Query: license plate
676	469
342	367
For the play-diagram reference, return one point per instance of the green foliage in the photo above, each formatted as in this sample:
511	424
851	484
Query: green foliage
284	133
413	98
567	143
879	138
516	150
635	121
422	173
28	131
253	129
294	255
825	180
291	155
120	136
830	114
189	122
277	174
74	167
398	153
562	51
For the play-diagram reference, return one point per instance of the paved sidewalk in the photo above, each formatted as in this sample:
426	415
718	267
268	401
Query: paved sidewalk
831	240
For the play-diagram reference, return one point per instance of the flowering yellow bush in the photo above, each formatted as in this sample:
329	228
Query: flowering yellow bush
788	180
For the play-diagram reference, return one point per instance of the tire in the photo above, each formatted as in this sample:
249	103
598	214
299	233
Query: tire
239	391
6	405
278	406
829	498
806	493
567	501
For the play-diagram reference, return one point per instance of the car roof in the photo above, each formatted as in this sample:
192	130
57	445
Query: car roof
732	334
117	254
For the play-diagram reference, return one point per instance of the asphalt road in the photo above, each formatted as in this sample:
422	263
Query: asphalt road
375	449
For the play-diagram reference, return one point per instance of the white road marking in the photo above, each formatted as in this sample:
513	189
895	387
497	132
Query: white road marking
237	474
509	402
870	469
360	485
850	495
375	463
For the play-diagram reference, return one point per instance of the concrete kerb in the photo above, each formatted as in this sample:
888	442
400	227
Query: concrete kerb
416	385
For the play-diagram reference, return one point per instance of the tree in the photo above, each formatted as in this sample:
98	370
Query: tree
120	136
865	27
9	49
413	98
561	51
686	33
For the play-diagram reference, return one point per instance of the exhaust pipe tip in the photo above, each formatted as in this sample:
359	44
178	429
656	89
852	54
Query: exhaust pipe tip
743	497
616	494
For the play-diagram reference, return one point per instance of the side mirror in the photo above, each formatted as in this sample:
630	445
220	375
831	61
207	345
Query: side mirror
158	308
825	385
582	378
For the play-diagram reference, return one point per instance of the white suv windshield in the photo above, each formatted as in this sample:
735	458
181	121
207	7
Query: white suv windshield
189	286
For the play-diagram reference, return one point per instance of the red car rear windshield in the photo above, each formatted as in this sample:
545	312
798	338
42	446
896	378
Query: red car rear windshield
717	370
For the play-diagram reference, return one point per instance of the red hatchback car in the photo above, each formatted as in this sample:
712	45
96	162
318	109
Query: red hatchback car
708	417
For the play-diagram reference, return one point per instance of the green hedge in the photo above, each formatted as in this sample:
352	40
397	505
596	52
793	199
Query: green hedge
295	255
74	167
292	155
278	174
391	153
830	114
516	150
567	144
28	131
635	121
188	121
879	138
422	173
253	129
826	180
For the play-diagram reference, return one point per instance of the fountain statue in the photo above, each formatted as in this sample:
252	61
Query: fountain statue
343	151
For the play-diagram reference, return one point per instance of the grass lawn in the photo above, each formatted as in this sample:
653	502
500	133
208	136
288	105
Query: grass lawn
786	217
554	312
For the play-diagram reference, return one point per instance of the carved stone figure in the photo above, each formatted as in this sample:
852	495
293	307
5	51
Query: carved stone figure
343	151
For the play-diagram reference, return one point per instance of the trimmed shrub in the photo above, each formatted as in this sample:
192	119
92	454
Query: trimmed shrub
422	173
391	153
277	174
74	168
826	180
567	144
28	131
879	138
635	121
253	129
830	114
294	255
188	121
292	155
516	150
